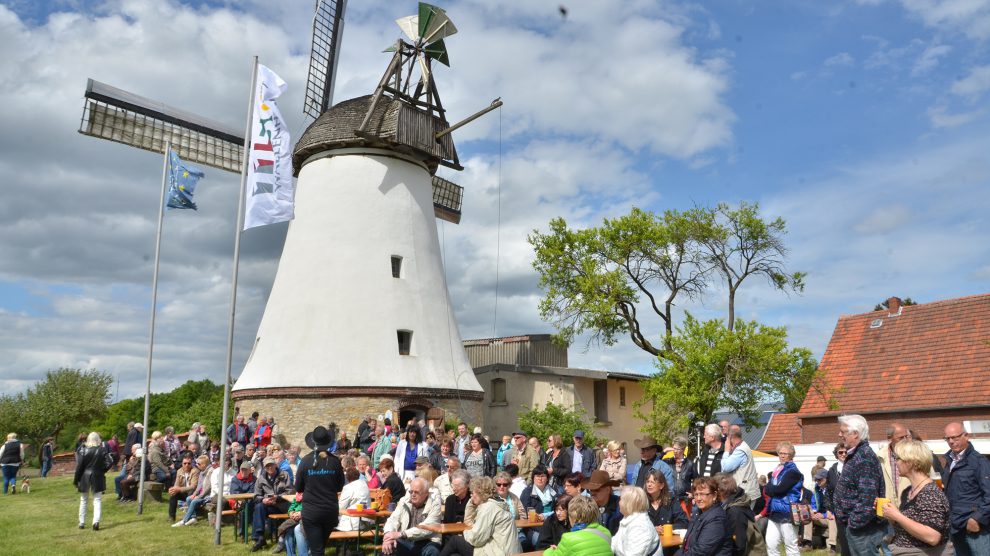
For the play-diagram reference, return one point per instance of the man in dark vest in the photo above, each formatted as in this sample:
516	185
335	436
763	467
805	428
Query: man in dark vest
710	459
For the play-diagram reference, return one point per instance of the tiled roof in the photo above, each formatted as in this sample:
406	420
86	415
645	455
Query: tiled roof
782	426
934	355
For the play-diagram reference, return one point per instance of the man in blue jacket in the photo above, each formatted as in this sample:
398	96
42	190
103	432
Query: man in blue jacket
966	479
582	457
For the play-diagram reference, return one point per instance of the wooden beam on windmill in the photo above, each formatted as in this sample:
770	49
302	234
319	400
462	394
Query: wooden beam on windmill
123	117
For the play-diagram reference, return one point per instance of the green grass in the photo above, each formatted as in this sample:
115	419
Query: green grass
46	522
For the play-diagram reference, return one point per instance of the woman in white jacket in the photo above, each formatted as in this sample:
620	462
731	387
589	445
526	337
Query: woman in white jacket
354	492
408	449
636	535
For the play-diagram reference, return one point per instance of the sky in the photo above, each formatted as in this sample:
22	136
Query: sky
862	123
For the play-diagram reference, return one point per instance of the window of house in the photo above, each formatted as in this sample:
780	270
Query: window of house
405	341
601	401
396	266
622	396
498	390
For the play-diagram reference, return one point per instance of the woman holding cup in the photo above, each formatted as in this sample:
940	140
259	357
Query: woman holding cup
921	525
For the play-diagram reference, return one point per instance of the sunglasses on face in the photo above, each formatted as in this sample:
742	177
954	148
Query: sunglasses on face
502	484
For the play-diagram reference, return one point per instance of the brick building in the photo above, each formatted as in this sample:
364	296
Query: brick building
922	365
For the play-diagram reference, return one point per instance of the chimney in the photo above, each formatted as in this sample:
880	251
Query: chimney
894	306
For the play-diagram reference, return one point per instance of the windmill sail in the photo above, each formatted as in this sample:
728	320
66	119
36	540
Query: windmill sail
328	29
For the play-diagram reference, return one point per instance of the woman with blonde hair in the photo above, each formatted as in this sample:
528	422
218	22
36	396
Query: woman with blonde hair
614	464
92	462
637	536
784	487
11	458
921	525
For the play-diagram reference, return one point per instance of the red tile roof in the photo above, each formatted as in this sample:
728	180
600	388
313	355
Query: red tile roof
934	355
782	426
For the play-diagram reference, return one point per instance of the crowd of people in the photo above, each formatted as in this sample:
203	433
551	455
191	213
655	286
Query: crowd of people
900	499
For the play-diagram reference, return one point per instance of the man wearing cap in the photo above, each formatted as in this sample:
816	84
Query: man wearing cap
819	512
321	477
243	482
599	485
650	459
582	457
526	456
271	484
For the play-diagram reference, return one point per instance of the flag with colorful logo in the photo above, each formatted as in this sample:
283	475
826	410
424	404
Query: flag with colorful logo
182	179
270	193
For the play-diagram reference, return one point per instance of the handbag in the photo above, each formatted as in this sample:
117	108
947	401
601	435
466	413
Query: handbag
800	513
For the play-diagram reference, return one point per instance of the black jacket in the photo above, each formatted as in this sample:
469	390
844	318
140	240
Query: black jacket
453	508
708	534
559	468
739	516
716	463
671	513
611	517
439	461
531	501
91	468
394	484
967	486
551	531
320	477
133	437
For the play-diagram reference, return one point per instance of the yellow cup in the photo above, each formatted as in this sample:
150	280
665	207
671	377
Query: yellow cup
532	515
880	503
668	530
359	507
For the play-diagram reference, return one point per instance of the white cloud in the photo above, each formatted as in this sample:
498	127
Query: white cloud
839	60
940	117
929	58
975	84
972	17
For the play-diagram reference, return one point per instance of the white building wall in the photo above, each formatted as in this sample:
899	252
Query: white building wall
334	310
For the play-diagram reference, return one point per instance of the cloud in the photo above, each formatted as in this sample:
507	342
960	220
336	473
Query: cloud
841	59
583	98
929	59
975	84
940	117
971	17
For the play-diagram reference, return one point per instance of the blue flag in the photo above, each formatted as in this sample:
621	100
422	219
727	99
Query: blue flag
182	180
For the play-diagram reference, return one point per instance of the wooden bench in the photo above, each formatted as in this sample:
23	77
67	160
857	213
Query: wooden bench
343	538
154	489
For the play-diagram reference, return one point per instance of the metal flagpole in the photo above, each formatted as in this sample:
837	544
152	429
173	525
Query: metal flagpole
151	334
233	291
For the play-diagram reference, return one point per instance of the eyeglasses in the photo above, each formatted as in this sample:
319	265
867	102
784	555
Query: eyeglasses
785	454
840	453
696	493
503	484
955	437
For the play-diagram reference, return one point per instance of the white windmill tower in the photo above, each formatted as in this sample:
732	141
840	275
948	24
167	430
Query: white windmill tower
359	319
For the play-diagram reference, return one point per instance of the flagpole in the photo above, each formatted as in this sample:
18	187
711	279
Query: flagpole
151	334
245	163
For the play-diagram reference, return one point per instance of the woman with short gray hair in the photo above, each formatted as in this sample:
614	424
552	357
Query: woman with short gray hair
636	535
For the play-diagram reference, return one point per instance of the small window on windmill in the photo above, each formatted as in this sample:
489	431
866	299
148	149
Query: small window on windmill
396	266
877	323
405	341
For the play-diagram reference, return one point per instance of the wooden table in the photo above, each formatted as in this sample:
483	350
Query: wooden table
672	541
458	528
365	515
243	511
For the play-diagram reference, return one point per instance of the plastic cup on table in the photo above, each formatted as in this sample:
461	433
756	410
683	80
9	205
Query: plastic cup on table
668	530
359	507
532	515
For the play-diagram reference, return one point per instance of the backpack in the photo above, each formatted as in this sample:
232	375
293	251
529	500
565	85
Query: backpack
755	544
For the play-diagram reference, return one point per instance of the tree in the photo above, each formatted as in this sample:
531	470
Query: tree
557	419
739	244
719	367
65	399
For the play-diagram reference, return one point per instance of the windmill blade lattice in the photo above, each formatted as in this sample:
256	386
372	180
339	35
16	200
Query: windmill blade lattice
328	27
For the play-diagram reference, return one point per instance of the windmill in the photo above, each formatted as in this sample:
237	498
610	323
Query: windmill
359	319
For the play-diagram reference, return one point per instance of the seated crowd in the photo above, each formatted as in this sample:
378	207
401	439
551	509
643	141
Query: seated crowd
526	496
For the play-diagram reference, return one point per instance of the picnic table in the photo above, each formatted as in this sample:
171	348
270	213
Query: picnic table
460	527
242	511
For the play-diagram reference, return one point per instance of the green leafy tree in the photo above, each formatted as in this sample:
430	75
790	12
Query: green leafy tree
192	401
906	302
715	366
558	419
65	399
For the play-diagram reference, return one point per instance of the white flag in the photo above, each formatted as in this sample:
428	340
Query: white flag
270	194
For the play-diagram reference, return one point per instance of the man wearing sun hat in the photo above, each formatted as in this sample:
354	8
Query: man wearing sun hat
321	477
649	459
599	484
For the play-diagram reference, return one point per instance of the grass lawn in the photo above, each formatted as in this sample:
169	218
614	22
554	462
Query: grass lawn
46	522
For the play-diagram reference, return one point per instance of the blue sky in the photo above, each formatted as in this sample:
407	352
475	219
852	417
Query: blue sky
862	123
